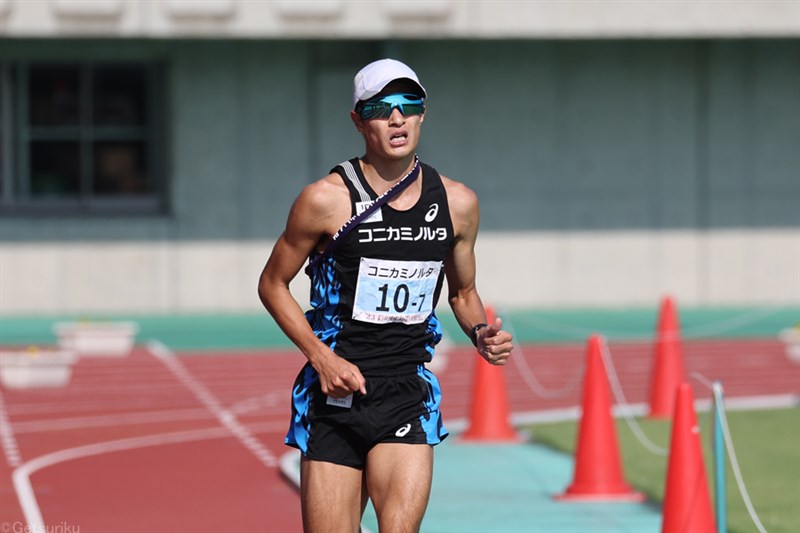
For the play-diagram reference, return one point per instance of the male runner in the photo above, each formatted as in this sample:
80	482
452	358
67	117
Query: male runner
365	411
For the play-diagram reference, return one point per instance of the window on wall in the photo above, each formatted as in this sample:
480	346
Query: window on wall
5	130
80	137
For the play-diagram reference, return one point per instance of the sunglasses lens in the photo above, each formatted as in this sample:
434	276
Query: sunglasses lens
412	109
376	110
408	104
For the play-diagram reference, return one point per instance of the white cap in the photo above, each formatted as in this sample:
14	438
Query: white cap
371	79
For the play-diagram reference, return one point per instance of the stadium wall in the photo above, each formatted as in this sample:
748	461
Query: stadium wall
610	171
379	19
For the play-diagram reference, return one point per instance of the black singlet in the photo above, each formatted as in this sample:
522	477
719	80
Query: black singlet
374	298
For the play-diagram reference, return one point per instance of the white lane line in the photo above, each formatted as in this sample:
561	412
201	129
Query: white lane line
256	403
107	421
22	474
204	396
9	441
266	404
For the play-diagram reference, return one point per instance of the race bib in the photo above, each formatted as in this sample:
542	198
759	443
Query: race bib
395	291
345	403
377	216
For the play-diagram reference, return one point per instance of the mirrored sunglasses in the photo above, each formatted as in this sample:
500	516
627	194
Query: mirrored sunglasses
382	107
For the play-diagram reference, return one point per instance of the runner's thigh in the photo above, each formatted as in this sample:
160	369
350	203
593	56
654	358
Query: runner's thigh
330	496
399	483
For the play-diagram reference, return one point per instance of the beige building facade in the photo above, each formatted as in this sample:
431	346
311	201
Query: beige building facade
621	150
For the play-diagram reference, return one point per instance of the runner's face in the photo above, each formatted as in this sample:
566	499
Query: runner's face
395	137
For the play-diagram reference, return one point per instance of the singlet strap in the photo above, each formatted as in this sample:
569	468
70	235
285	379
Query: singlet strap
347	170
348	226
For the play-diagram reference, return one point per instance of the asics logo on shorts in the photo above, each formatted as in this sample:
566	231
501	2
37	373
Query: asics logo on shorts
403	431
433	210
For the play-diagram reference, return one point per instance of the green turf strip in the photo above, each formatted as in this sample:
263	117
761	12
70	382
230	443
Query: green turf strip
258	330
767	445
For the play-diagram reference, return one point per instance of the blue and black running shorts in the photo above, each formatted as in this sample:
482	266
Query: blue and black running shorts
402	407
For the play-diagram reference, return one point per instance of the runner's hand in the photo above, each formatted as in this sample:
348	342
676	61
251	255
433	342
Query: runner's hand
494	344
339	377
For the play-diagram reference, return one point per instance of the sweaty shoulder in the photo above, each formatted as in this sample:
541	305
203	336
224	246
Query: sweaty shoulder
325	204
463	203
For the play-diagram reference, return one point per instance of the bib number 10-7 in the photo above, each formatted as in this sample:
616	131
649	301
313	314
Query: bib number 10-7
395	291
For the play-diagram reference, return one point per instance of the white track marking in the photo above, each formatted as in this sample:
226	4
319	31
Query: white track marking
9	441
266	401
204	396
22	474
107	421
242	407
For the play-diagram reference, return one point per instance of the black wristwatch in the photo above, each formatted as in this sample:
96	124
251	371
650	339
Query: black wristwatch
473	333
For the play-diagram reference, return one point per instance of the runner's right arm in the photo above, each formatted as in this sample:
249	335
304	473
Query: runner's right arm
319	208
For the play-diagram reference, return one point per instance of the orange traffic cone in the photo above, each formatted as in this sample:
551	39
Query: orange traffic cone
687	502
598	469
668	368
489	412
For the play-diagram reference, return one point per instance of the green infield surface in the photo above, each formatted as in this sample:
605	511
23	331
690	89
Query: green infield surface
258	330
767	446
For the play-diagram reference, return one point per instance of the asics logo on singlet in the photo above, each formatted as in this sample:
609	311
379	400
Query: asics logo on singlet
433	210
403	431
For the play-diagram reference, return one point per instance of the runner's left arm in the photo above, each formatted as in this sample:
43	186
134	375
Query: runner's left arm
493	343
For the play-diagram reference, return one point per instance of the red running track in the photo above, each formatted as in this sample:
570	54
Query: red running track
158	443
